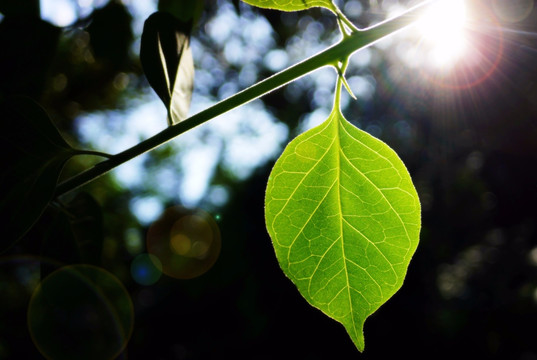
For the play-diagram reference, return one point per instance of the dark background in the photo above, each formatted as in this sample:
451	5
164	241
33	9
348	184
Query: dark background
471	288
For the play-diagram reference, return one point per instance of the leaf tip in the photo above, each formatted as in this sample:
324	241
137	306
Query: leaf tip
355	330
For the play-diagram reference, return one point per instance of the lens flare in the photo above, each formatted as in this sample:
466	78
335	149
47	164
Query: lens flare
146	269
186	241
456	44
442	28
80	312
512	11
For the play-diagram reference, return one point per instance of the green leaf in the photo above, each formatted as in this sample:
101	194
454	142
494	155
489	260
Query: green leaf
33	155
167	61
344	219
184	10
292	5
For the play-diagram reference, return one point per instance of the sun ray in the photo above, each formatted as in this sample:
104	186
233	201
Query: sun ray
443	30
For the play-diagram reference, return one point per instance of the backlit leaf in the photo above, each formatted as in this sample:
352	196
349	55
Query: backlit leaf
34	155
167	62
344	219
292	5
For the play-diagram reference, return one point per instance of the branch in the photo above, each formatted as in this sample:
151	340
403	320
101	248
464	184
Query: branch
329	57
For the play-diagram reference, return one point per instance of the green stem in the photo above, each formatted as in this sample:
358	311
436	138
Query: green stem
341	79
329	57
94	153
343	19
342	28
337	97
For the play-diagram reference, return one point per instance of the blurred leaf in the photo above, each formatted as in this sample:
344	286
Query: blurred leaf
28	47
292	5
185	10
344	218
237	6
111	34
33	155
167	62
20	8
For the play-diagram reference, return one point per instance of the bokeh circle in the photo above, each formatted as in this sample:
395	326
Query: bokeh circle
512	10
146	269
80	312
186	241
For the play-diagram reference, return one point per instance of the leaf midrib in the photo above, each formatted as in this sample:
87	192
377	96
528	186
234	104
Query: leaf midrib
337	119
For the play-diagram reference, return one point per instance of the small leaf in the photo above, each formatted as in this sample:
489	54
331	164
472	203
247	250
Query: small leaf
167	61
33	156
185	10
292	5
344	219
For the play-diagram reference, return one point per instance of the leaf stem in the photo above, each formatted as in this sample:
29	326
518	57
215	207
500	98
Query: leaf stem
329	57
94	153
343	20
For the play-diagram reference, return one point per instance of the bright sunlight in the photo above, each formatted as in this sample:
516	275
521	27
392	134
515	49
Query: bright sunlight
442	28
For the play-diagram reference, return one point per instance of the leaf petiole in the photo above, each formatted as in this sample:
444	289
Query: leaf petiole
342	66
345	25
92	153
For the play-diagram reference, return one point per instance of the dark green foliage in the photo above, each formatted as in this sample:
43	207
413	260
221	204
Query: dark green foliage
31	44
184	10
86	220
70	233
34	155
110	34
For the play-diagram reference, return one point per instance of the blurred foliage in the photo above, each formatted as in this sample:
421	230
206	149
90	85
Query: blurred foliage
471	289
35	154
24	38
